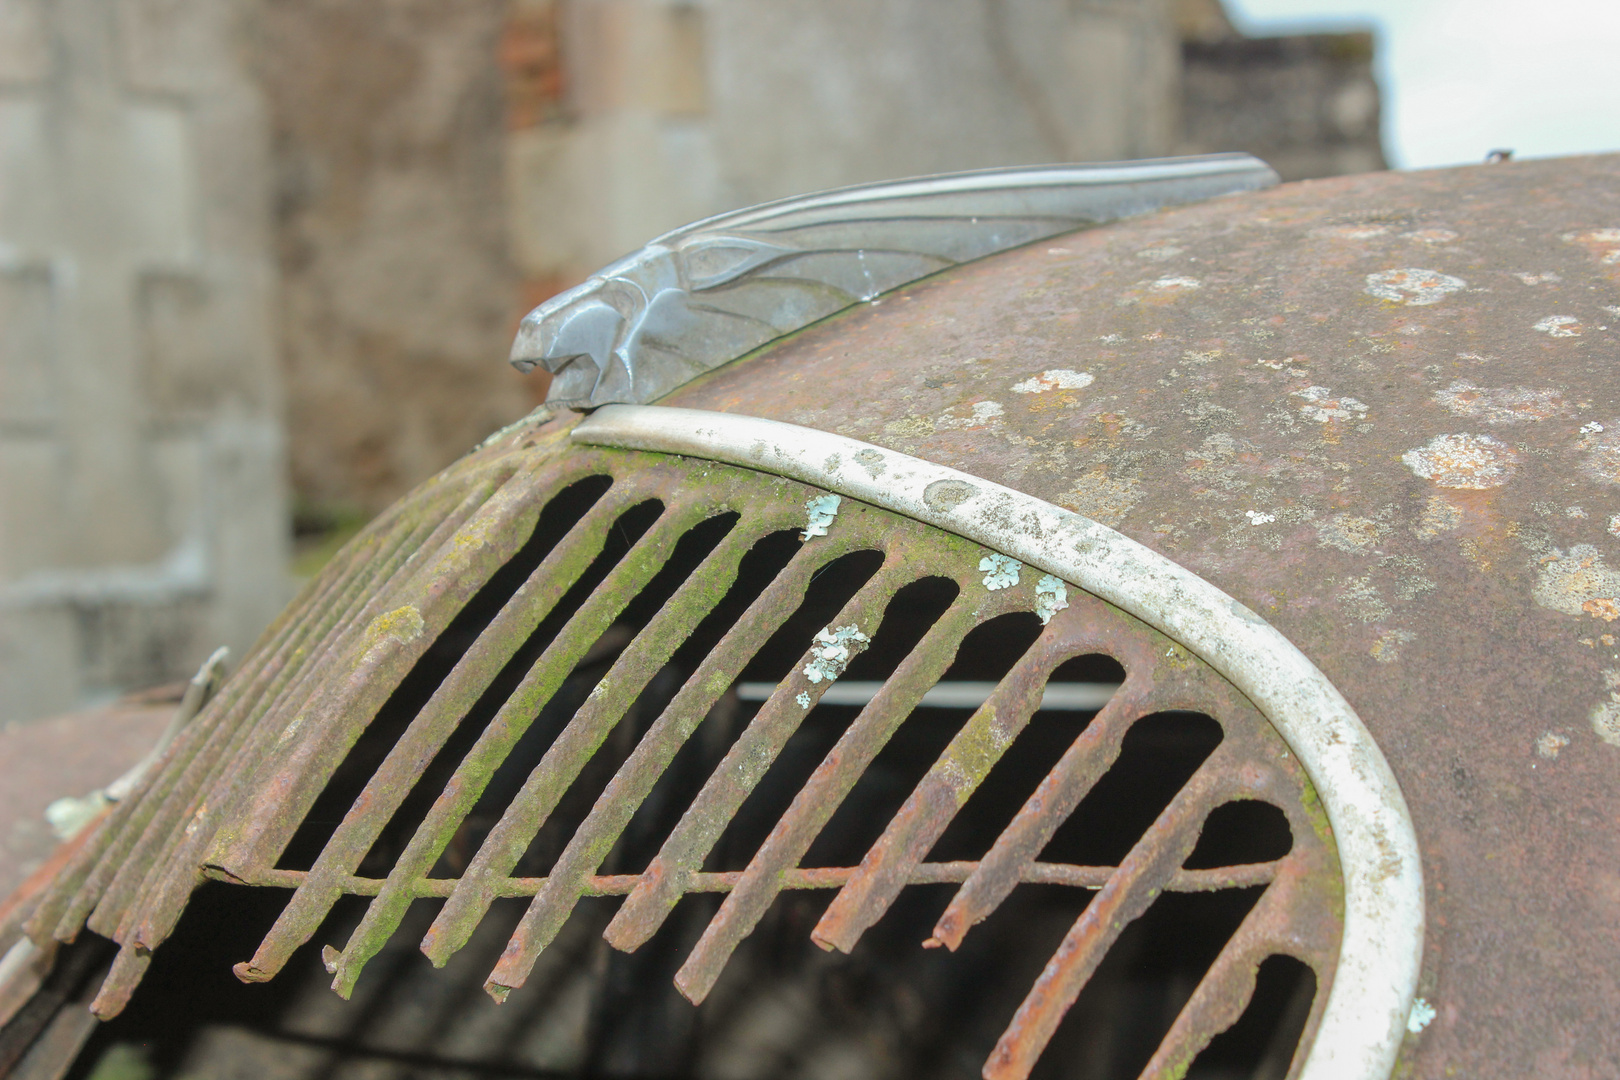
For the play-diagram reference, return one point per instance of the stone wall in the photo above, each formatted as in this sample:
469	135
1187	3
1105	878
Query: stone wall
142	500
398	300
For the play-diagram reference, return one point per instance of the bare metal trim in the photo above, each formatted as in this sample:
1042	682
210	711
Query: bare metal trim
708	293
1372	991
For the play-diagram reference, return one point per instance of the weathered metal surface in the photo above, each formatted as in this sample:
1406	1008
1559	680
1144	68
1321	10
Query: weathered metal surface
1381	412
707	293
230	793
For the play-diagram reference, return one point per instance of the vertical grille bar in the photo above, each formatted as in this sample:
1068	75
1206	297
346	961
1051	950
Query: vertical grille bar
1129	892
827	786
666	878
430	728
760	742
584	628
585	732
1092	754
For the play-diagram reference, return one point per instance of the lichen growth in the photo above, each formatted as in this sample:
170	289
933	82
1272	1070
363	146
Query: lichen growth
1051	597
822	509
1001	572
832	651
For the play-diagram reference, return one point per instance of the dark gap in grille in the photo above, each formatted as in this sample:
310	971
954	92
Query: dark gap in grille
559	515
696	759
913	609
1021	768
629	527
1127	1008
688	552
830	589
1158	755
1261	1045
884	786
1245	831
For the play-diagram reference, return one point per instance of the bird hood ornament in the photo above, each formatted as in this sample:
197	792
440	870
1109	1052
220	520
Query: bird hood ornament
713	291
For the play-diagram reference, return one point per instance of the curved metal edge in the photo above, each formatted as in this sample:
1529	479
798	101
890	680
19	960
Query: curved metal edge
1381	952
712	291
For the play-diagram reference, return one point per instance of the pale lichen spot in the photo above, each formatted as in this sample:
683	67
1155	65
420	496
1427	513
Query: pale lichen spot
1430	236
1387	649
1549	744
1365	231
1421	1016
802	699
1593	428
1578	583
1614	525
1438	516
1605	720
981	414
1504	405
1259	517
822	509
1102	498
1055	379
402	625
1159	254
1166	284
1362	600
1001	571
1051	597
1413	286
1575	511
832	650
1323	405
1463	462
1351	533
1546	277
1560	326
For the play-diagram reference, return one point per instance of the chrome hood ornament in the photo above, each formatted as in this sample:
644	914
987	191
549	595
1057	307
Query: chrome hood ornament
710	292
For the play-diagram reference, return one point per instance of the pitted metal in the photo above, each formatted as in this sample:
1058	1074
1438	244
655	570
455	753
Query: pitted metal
235	787
708	293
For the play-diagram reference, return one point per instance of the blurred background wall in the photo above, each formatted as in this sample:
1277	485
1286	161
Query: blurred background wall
260	260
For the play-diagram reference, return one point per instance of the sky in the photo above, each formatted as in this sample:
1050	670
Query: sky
1463	77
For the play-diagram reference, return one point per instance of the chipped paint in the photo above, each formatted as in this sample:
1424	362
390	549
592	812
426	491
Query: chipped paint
1463	462
1560	326
1051	597
1578	583
822	509
1421	1016
1413	286
832	651
1323	405
1001	571
1055	379
1549	744
1505	405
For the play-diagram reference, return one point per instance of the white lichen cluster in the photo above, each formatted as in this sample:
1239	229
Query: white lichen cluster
833	649
1051	597
1413	286
822	510
1001	572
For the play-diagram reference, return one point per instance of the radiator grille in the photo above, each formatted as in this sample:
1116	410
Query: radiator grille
533	668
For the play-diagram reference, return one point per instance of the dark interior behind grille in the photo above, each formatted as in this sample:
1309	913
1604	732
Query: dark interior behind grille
1085	791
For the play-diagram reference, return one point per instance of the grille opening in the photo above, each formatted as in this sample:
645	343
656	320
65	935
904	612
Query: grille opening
1246	831
882	789
1261	1045
1158	755
913	609
830	589
1031	756
625	531
1130	1003
553	523
687	554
